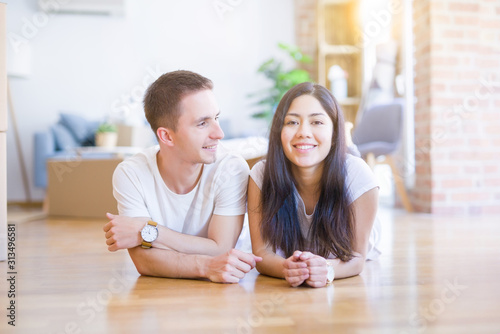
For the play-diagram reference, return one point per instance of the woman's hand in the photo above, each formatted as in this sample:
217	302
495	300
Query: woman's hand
316	266
295	270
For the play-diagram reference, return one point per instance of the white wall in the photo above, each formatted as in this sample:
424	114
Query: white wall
93	64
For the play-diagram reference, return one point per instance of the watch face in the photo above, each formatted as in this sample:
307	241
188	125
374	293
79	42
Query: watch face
330	274
149	233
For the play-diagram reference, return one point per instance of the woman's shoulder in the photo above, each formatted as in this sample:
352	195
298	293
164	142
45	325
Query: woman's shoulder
356	165
360	177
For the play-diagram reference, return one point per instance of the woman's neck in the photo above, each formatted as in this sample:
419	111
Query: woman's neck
308	182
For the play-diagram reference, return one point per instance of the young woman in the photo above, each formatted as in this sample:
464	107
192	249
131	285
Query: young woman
311	205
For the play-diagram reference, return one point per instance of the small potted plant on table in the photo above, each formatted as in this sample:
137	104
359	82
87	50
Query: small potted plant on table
106	135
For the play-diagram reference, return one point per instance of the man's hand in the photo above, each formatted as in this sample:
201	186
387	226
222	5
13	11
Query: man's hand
230	267
317	269
295	270
123	232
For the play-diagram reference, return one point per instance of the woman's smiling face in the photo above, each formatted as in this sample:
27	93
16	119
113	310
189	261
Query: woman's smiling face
307	132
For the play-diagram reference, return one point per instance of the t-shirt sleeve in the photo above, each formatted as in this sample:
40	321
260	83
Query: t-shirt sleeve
232	182
360	177
128	192
257	173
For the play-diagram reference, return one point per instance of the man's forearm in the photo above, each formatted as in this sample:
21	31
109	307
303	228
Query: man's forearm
168	263
222	234
189	244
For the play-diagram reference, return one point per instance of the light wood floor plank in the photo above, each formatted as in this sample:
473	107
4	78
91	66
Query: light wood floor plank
436	275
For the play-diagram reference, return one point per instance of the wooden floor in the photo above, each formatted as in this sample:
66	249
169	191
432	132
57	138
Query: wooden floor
436	275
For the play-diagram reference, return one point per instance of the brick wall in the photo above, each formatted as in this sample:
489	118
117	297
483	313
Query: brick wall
422	193
457	115
305	33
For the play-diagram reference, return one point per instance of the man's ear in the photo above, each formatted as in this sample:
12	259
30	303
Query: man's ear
165	136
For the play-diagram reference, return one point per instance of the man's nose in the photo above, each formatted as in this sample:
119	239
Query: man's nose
217	132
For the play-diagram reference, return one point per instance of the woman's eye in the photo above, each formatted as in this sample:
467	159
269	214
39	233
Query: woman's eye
317	122
291	123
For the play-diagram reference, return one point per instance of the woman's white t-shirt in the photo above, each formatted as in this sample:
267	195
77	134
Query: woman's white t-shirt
359	180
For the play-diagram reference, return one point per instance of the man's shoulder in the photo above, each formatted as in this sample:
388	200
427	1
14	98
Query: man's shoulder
230	161
139	161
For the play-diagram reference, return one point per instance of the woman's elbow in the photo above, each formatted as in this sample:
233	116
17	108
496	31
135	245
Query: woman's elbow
360	265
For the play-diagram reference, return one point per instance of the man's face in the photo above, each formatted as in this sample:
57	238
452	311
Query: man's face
198	131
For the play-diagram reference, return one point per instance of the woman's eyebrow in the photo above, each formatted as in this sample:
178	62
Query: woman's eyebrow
310	115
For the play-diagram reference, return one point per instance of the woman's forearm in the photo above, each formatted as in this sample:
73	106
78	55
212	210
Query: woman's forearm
271	265
350	268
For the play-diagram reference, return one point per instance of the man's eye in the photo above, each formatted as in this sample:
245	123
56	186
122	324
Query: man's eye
202	124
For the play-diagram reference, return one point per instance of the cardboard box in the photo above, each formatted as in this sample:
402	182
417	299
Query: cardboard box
135	136
81	187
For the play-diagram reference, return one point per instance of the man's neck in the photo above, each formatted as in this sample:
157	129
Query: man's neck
179	176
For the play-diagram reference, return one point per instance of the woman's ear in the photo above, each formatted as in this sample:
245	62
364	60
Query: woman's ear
165	136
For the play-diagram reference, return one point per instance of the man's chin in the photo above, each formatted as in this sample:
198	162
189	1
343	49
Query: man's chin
208	159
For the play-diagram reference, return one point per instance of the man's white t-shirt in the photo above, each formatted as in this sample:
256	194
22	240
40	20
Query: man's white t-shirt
141	192
359	180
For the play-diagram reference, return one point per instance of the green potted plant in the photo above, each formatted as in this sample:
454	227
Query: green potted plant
282	79
106	135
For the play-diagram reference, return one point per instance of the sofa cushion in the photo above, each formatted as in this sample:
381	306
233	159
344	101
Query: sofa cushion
63	137
77	125
91	129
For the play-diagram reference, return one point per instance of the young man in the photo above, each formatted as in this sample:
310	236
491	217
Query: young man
187	200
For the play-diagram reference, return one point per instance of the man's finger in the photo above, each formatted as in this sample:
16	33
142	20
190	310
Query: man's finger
106	227
241	266
245	257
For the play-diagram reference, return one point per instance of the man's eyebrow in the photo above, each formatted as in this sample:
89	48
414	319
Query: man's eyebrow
204	118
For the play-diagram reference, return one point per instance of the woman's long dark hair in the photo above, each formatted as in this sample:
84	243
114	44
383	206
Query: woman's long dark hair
331	229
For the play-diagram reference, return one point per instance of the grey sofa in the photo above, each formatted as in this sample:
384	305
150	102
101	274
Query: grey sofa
59	141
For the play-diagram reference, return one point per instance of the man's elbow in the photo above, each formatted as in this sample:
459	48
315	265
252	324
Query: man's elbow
143	270
140	264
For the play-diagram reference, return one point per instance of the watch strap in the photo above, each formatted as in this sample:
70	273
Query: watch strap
145	244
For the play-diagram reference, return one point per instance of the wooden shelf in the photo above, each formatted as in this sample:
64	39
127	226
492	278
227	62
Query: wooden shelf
350	101
334	2
328	49
338	44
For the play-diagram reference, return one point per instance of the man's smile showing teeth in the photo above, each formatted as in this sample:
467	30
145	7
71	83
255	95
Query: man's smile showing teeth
210	147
